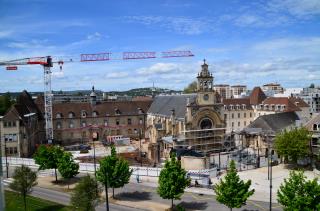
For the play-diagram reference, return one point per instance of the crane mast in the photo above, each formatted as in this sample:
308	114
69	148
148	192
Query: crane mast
48	100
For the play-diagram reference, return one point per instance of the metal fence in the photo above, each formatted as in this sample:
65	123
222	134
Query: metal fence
89	168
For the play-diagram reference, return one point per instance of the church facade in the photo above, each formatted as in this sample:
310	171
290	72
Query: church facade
190	121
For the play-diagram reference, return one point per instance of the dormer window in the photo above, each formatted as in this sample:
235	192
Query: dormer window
58	115
95	114
315	127
117	111
59	125
243	106
83	114
140	111
71	115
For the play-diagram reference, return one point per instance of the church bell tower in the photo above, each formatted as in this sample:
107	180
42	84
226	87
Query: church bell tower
205	93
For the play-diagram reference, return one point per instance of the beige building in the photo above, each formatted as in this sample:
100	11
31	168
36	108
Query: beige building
237	90
223	90
22	128
272	88
192	121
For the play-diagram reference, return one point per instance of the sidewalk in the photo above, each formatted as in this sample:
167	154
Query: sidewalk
259	179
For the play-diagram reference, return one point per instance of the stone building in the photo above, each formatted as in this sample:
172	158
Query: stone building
191	121
75	122
21	128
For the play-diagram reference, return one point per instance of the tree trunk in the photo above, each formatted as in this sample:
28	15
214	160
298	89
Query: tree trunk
230	208
107	198
113	193
55	172
25	201
172	204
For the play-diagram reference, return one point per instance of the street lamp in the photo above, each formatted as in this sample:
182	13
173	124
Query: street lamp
95	136
140	137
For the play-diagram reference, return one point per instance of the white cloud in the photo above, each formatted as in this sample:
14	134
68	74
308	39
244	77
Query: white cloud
299	8
94	36
5	34
117	75
181	25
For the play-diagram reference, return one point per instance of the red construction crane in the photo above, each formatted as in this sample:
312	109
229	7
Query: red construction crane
47	62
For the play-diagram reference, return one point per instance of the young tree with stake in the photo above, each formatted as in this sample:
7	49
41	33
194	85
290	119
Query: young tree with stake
23	181
172	180
67	167
231	190
86	194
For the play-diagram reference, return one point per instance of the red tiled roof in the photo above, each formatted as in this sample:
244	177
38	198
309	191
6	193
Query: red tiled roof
290	106
298	102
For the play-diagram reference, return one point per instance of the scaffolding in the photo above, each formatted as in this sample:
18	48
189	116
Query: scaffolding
205	141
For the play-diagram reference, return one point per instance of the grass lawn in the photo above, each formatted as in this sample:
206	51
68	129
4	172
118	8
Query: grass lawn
14	202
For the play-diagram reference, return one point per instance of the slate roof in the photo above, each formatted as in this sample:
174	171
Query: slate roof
275	122
23	106
163	105
314	120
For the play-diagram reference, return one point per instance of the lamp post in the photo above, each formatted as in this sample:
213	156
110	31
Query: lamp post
2	202
94	137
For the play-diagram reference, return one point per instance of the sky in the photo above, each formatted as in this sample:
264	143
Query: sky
244	42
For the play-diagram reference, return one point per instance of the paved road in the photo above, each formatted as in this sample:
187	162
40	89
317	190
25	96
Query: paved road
192	201
64	198
140	192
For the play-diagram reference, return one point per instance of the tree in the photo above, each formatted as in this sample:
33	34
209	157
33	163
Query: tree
47	157
311	85
86	194
191	88
23	181
5	103
172	180
67	167
232	191
114	171
296	193
293	145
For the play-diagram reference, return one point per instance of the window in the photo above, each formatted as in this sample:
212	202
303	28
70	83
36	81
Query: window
71	115
83	123
140	121
71	135
105	122
71	124
225	116
117	121
129	121
14	124
245	115
118	132
232	124
83	114
95	114
9	124
315	127
245	123
129	131
58	115
232	115
250	114
5	124
238	124
84	134
58	125
238	115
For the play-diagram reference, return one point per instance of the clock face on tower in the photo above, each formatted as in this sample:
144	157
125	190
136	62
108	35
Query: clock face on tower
206	97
